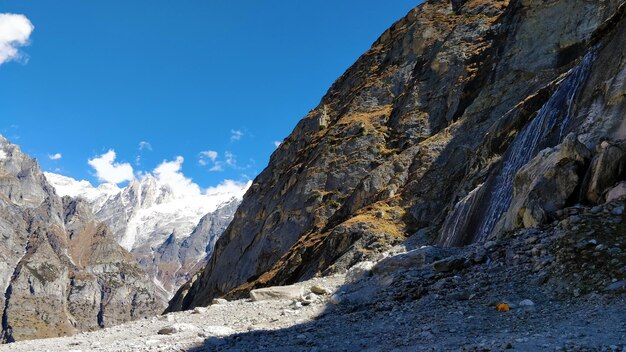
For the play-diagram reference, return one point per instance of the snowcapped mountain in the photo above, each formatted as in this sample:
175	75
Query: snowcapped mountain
155	215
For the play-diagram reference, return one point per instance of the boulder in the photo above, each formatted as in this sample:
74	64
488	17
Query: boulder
218	331
544	184
412	259
607	168
320	290
177	328
449	264
617	192
277	293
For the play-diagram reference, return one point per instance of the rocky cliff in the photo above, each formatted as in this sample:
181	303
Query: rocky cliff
61	270
169	231
439	132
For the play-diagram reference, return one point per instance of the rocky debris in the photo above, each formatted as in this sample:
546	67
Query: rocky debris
62	271
519	293
407	137
277	293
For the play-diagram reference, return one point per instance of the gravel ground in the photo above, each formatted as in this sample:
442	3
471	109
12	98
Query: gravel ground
564	286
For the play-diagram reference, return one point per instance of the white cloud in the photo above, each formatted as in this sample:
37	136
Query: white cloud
107	170
211	154
145	145
209	157
235	135
277	144
228	186
230	159
170	173
14	33
218	166
56	156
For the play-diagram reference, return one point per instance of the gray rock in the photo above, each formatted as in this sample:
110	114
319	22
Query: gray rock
277	293
320	290
177	328
526	303
449	264
617	192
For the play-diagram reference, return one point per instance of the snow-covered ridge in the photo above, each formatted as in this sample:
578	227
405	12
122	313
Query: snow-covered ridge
149	209
67	186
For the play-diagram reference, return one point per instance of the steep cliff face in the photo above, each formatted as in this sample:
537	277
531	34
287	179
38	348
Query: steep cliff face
61	270
425	135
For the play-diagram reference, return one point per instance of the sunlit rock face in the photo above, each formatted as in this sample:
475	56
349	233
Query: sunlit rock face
61	270
425	134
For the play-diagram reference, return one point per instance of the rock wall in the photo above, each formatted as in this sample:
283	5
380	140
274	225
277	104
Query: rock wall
414	137
62	271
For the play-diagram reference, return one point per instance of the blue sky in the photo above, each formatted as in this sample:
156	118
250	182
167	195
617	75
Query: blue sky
184	77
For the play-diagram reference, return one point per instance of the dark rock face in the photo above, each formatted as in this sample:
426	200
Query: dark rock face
427	130
62	271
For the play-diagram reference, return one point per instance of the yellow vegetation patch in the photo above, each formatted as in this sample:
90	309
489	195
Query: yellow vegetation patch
367	119
382	218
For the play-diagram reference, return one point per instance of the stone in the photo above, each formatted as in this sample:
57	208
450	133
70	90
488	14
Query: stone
320	290
219	301
617	192
277	293
199	310
449	264
336	299
177	328
526	303
411	259
218	331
